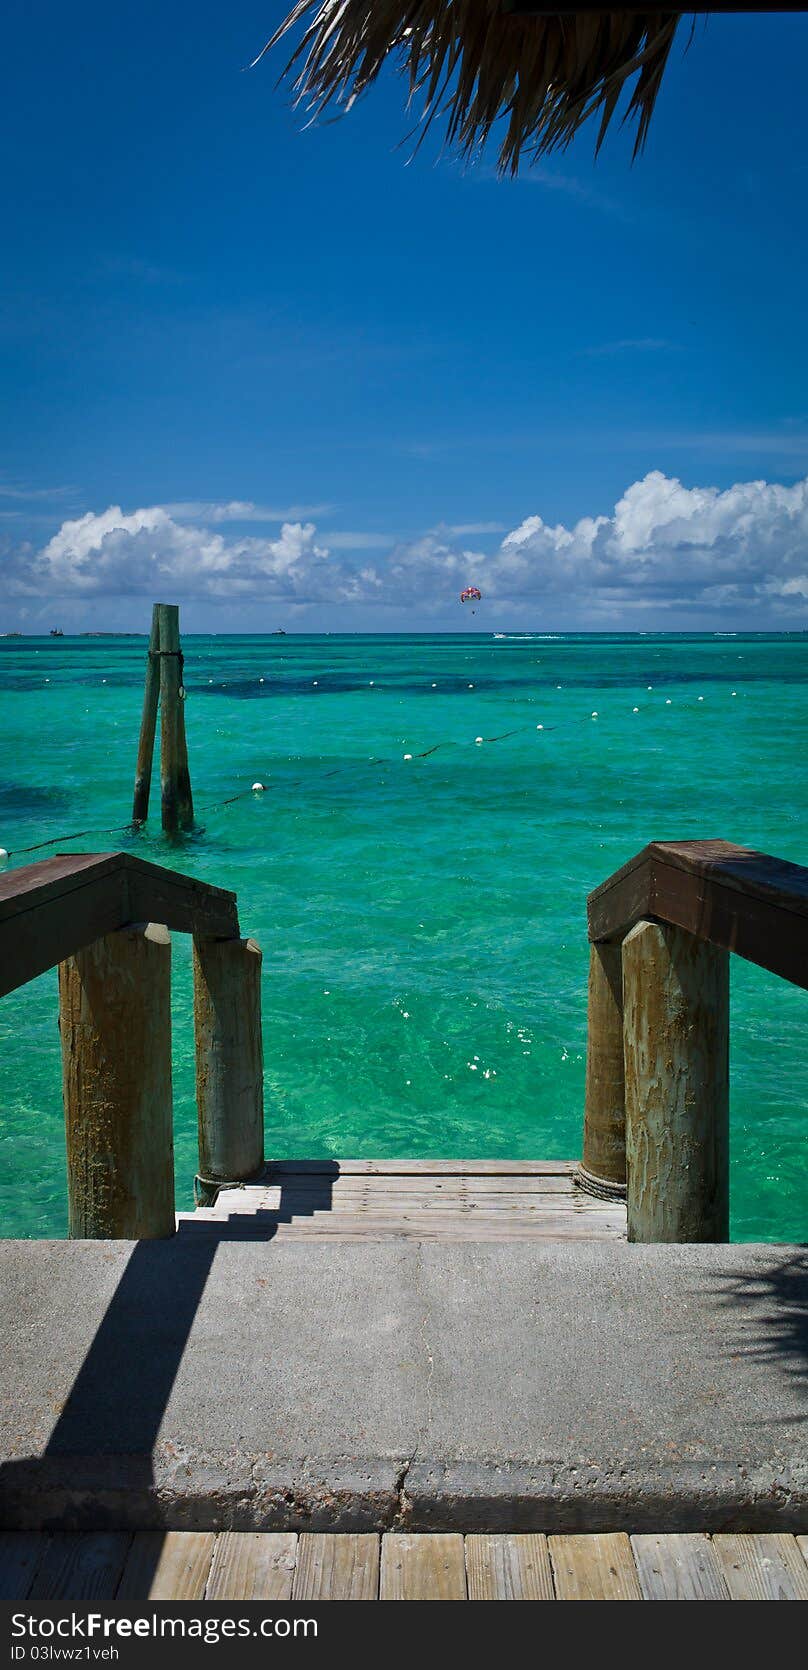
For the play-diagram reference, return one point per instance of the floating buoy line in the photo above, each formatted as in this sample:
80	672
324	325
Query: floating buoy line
260	787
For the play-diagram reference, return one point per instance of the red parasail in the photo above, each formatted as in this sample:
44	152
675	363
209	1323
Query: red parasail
471	594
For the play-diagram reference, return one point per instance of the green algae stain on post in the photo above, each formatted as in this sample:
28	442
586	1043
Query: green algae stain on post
175	781
164	688
148	725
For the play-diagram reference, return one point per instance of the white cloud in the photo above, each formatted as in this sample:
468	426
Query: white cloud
142	552
631	344
240	510
461	530
664	546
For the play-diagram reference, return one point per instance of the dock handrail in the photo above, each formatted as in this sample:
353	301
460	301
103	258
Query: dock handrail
732	896
104	919
656	1123
51	910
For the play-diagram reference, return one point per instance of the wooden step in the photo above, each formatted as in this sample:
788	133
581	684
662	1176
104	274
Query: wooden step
444	1200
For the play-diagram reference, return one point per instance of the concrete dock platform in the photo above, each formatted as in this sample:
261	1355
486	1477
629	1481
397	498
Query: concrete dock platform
233	1379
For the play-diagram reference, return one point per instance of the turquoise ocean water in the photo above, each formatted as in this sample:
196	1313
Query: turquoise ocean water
422	920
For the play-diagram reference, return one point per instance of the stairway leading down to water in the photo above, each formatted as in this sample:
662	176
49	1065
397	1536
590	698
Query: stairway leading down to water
406	1346
424	1200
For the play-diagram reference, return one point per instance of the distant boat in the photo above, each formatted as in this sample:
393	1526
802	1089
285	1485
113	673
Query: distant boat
279	632
56	632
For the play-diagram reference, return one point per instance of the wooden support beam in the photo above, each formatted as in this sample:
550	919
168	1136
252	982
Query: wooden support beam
229	1058
603	1169
676	1048
148	726
175	782
115	1022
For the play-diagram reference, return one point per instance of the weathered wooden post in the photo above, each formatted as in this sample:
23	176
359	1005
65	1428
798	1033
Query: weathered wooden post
148	726
115	1022
175	782
603	1168
229	1061
676	1048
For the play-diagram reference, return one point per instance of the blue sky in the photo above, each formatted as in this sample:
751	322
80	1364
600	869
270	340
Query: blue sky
287	376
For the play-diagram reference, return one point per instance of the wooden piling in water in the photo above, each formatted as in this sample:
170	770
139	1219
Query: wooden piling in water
603	1168
148	726
115	1023
175	781
229	1058
676	1049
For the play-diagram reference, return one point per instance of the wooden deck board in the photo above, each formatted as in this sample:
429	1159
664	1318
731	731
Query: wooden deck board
557	1229
252	1565
500	1567
337	1566
167	1565
598	1566
684	1566
426	1567
20	1556
86	1565
280	1565
429	1200
762	1567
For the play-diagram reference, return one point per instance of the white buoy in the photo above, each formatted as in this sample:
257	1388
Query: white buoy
701	698
315	682
260	681
471	687
734	692
635	710
434	687
372	682
649	687
258	788
408	756
3	856
594	716
478	739
539	727
47	681
667	701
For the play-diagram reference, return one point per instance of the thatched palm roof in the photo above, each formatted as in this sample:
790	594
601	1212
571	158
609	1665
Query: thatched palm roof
479	62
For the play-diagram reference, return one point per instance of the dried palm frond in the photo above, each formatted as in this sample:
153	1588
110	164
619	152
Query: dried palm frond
477	62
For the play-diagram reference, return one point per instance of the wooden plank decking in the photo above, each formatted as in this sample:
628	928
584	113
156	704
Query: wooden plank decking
431	1200
284	1566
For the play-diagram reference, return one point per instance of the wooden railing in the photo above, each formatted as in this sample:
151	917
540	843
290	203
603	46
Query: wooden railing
105	919
656	1127
657	1076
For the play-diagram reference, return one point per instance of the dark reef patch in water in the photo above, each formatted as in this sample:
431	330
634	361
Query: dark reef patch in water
27	798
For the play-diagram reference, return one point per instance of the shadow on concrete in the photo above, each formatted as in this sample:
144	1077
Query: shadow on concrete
119	1396
773	1305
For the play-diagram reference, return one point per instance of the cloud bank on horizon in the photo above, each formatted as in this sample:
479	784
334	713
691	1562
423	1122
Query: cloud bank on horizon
693	551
